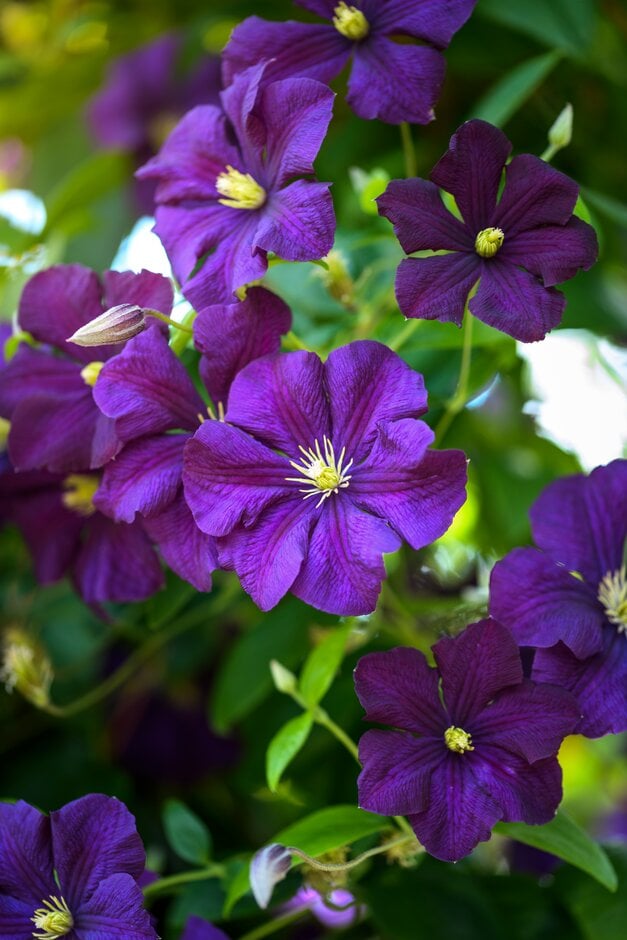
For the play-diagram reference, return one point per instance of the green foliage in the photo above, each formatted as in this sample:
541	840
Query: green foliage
505	98
321	666
187	835
285	745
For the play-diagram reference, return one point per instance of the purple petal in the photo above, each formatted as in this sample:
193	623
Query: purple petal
431	20
471	171
436	288
188	551
298	222
598	683
26	867
198	929
51	531
529	720
229	477
94	837
474	666
368	383
116	563
394	82
554	252
281	400
534	194
515	302
114	909
147	389
16	921
239	102
230	336
398	688
145	289
344	568
581	521
144	478
420	218
542	603
33	372
418	493
323	8
525	793
397	770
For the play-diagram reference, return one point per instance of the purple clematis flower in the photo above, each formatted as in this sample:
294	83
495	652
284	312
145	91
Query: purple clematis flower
149	393
197	928
485	751
143	97
72	874
390	81
47	397
318	471
344	913
229	181
517	249
569	596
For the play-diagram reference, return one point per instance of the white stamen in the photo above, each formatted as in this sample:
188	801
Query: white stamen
327	475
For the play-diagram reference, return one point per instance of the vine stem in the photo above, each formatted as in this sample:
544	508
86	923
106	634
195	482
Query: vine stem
353	862
411	165
402	337
457	402
165	885
272	926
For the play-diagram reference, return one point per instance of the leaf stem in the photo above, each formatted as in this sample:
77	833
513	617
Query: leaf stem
411	165
401	338
164	319
272	926
165	885
353	862
457	402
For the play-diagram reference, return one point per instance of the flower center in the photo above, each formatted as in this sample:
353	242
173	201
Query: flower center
90	372
613	596
327	474
488	241
53	920
80	489
240	189
350	22
458	740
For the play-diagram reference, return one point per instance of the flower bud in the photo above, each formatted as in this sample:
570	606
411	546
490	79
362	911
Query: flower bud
115	325
26	667
268	866
561	131
284	680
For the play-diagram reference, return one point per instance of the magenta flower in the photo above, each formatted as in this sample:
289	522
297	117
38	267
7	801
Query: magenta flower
568	598
72	874
318	470
517	248
481	750
232	181
391	81
47	397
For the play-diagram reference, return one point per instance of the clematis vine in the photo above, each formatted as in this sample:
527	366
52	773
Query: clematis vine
516	248
317	471
568	597
483	750
236	182
391	81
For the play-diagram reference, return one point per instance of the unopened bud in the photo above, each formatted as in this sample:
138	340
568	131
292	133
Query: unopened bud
267	867
336	278
26	667
561	131
115	325
284	680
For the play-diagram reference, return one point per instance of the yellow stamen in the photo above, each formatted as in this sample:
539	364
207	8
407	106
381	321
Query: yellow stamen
327	474
458	740
25	667
488	242
53	920
80	489
240	189
91	372
613	596
350	22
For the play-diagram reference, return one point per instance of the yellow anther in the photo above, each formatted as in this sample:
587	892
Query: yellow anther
488	242
613	596
350	22
458	740
53	920
240	190
90	372
327	474
80	489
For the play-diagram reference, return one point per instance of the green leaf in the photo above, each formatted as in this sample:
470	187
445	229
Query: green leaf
599	916
285	745
502	101
322	664
330	828
187	835
611	208
564	838
566	24
87	183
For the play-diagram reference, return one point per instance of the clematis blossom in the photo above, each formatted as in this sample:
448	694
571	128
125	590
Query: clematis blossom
516	248
482	751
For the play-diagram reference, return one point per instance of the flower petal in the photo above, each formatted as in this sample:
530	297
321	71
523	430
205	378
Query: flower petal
146	289
26	866
529	793
229	336
436	288
298	223
398	687
471	171
33	372
534	194
394	82
397	770
475	665
188	233
116	563
198	929
420	219
431	20
367	384
417	492
16	918
344	568
235	262
144	478
515	302
553	252
188	551
42	511
115	909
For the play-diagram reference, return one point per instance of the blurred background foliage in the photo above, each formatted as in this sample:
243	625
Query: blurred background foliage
196	714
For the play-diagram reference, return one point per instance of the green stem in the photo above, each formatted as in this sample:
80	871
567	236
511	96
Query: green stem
458	401
165	885
322	717
161	316
549	153
291	341
411	165
353	862
402	337
272	926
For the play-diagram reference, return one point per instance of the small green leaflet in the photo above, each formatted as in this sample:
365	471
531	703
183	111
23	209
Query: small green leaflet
285	745
187	835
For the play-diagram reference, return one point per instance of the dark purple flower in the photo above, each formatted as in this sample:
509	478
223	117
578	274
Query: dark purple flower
149	393
569	597
144	95
392	81
198	929
47	397
517	248
353	475
72	874
226	182
344	912
480	749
